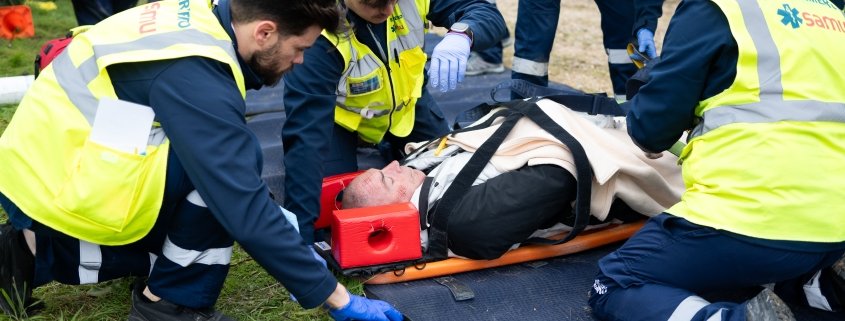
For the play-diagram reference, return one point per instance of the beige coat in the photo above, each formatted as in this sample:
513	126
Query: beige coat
620	168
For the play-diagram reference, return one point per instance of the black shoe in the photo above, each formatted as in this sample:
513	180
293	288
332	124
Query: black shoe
17	268
767	306
145	310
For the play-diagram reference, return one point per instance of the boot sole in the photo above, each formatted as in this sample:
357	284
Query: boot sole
767	306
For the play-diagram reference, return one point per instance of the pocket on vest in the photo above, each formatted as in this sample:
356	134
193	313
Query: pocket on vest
103	187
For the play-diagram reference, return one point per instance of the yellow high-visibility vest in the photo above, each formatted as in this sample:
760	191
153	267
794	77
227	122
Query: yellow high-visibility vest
51	169
372	97
767	157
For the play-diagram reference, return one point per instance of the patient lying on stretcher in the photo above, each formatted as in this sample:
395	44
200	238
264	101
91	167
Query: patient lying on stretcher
527	188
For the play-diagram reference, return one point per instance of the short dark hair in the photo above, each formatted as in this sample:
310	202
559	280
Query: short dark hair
291	16
376	3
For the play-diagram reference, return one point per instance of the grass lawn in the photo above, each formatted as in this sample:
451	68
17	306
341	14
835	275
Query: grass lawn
249	293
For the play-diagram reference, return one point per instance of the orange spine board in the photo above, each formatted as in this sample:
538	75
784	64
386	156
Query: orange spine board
587	240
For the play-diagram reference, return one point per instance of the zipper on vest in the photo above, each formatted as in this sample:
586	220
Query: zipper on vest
386	62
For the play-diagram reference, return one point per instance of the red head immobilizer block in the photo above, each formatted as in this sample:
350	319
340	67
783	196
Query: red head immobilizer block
332	186
376	235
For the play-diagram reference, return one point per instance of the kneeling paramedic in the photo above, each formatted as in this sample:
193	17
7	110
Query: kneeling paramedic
760	85
91	208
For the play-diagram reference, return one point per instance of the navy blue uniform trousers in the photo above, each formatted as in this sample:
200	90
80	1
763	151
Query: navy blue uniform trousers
90	12
668	267
536	27
186	255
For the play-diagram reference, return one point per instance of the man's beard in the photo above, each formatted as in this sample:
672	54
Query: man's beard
264	64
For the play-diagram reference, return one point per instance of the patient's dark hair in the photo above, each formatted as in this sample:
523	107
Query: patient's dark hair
356	197
291	16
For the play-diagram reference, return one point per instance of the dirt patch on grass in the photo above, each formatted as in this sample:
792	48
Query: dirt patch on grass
578	57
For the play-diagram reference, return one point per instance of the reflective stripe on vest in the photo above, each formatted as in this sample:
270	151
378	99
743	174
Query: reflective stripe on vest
372	96
769	111
60	178
75	80
758	162
772	107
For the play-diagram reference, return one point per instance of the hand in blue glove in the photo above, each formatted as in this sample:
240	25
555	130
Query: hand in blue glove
361	308
645	39
449	61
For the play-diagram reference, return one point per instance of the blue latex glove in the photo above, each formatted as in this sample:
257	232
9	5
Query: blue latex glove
361	308
449	61
645	39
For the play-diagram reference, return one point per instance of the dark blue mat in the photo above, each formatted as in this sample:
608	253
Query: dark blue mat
552	289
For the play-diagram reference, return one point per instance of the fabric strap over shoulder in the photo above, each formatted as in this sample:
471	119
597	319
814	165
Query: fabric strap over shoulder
578	101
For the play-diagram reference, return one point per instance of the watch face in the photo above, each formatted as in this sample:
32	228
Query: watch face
459	26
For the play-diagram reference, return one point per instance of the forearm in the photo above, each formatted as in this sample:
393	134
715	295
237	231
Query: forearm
338	298
309	101
306	136
698	61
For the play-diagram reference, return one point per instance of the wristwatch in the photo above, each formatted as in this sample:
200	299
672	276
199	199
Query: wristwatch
463	28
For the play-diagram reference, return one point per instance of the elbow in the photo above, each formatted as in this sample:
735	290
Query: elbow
640	137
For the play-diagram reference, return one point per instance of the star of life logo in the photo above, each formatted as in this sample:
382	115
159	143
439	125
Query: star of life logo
812	19
790	16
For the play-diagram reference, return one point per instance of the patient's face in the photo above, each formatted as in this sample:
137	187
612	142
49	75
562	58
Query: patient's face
391	184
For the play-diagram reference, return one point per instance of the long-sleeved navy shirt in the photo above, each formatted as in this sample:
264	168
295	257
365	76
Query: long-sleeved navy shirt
646	12
698	61
201	110
310	99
